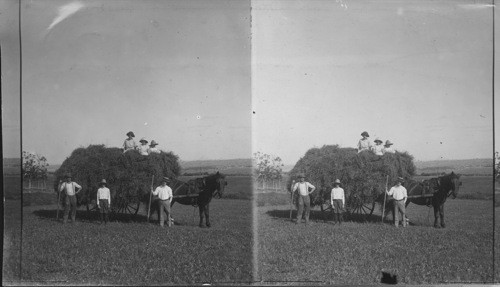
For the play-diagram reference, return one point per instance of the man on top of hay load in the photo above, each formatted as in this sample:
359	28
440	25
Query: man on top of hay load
71	188
103	201
388	148
129	143
304	191
164	193
378	147
399	194
143	148
337	201
153	148
364	143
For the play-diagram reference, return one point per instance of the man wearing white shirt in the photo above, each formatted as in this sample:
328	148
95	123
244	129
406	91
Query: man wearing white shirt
153	148
305	188
399	194
71	188
387	147
143	148
337	200
378	147
103	201
164	193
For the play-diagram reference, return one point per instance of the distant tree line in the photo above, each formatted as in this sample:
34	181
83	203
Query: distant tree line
497	165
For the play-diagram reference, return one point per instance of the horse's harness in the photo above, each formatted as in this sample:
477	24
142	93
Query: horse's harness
217	190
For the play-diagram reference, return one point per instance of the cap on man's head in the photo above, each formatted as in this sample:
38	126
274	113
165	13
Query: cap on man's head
365	134
143	140
153	143
131	134
378	140
301	175
400	179
388	142
337	181
166	179
68	175
103	181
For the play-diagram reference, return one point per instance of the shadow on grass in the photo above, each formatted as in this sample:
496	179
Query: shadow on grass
93	216
317	215
320	216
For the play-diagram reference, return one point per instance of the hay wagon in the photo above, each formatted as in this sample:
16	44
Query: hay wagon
363	176
129	175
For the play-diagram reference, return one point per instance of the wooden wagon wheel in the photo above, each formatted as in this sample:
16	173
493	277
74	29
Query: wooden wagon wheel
361	206
125	205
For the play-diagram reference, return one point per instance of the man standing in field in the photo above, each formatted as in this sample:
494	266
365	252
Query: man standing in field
164	193
103	201
337	201
71	188
364	143
304	201
399	194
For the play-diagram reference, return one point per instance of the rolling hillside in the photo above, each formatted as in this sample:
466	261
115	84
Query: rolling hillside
482	166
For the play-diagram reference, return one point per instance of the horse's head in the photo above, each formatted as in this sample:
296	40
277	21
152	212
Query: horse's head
455	184
220	183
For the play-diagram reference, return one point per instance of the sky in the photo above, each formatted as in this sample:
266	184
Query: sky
418	73
177	72
189	74
9	42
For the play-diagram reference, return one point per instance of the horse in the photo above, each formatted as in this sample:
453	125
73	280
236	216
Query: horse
434	192
199	192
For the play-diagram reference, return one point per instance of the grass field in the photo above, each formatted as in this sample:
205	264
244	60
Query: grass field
136	252
238	187
473	187
497	245
12	239
358	252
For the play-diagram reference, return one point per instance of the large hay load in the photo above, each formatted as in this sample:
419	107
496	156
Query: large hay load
129	175
363	175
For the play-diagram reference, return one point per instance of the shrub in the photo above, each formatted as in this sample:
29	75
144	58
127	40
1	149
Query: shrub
128	174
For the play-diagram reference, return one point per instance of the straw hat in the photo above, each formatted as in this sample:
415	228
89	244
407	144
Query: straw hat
143	140
103	181
337	181
365	134
153	143
378	140
131	134
388	142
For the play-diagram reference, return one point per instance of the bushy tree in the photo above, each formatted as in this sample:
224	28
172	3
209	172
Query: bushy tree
34	167
267	168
